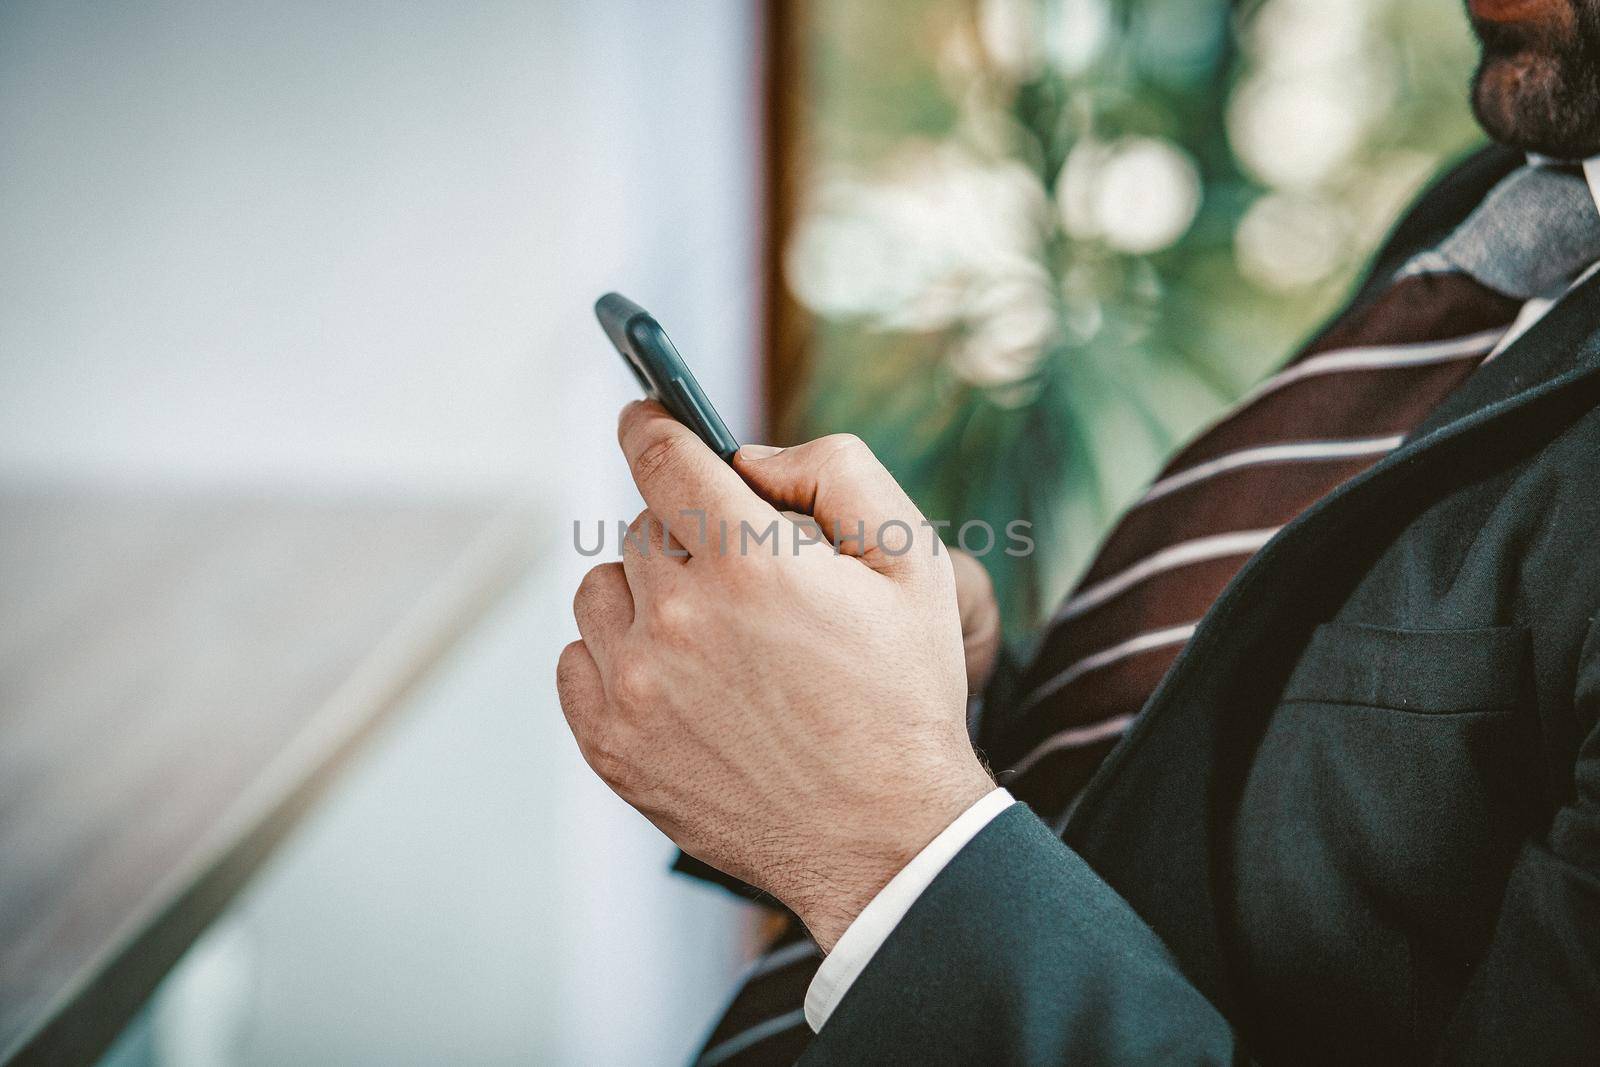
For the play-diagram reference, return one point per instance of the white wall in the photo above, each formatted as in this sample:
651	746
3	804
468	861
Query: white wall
347	247
356	241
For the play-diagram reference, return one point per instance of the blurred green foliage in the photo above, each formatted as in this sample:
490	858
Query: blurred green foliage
1044	241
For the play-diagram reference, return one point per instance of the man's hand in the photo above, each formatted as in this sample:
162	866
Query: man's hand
980	619
793	717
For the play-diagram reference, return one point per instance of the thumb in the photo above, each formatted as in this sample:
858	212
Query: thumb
840	483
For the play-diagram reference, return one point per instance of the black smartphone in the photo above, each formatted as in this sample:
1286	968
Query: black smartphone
665	377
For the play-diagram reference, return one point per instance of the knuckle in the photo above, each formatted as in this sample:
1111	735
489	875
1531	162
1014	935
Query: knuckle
849	442
844	444
633	684
671	616
608	758
584	594
591	589
844	452
586	588
659	459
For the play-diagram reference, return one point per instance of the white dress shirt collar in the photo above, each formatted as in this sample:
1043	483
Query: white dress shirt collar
1539	306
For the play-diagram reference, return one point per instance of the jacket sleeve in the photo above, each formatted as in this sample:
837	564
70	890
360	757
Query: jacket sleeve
1535	995
1018	953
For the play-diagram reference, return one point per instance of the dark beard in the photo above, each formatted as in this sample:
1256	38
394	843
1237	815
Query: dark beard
1539	90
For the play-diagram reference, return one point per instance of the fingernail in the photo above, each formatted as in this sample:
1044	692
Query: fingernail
758	451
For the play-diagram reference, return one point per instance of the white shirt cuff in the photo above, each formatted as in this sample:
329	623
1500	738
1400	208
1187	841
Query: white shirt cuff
861	940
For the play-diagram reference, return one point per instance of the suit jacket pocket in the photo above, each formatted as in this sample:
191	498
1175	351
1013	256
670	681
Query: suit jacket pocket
1435	672
1376	826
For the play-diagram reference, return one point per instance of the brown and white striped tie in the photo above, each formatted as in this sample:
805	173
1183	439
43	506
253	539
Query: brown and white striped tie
1348	399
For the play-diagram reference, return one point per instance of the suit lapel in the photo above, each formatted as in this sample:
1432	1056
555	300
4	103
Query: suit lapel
1558	343
1154	819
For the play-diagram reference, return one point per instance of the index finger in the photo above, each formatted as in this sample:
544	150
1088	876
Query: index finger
684	482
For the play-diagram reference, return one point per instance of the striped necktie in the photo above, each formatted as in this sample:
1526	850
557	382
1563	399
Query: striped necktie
1349	398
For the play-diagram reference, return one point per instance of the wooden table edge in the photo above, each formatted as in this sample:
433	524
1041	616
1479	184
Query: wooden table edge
106	993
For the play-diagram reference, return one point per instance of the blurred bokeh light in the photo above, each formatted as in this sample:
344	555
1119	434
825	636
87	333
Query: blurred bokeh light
1042	241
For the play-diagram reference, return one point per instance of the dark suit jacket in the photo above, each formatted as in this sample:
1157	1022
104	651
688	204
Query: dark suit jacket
1360	819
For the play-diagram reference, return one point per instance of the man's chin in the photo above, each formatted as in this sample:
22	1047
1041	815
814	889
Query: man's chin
1520	100
1506	90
